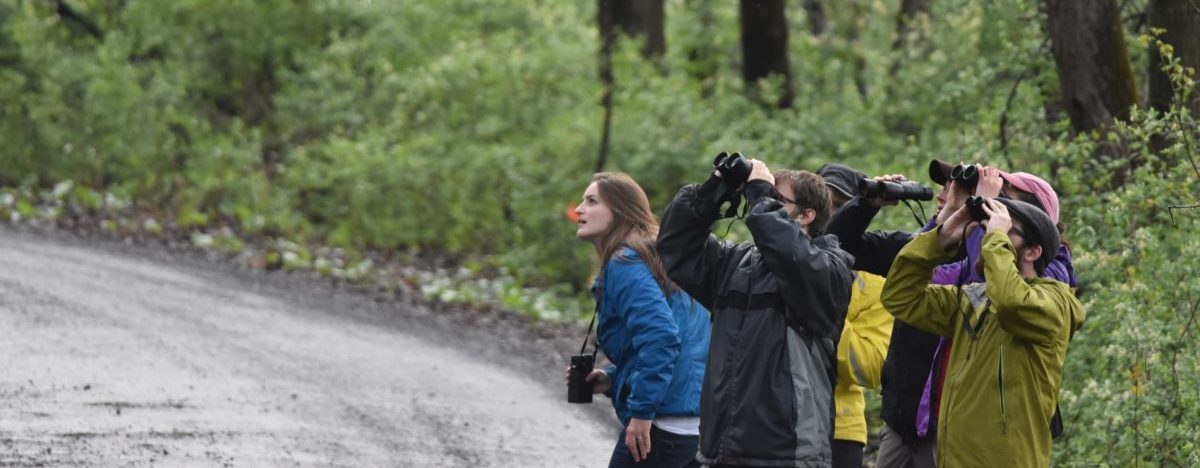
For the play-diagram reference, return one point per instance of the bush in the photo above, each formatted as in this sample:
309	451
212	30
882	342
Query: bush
465	127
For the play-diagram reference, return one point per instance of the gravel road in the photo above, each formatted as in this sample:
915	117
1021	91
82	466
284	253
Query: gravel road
116	356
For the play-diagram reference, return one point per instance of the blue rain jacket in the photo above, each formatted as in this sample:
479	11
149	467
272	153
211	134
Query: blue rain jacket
658	344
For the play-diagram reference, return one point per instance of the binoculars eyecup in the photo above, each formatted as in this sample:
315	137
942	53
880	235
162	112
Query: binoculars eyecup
975	208
967	175
734	169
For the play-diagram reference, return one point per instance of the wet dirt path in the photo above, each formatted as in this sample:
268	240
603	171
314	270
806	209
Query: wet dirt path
113	360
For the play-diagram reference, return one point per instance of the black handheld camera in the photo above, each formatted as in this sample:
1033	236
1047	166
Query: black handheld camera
975	208
579	390
889	191
967	175
734	169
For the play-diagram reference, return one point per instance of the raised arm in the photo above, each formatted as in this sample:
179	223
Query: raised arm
1034	313
814	279
908	295
693	257
873	251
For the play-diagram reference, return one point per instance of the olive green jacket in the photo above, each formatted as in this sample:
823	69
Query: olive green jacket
1005	367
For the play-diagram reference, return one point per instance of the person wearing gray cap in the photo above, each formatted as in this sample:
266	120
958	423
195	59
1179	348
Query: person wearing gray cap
864	341
842	181
1010	333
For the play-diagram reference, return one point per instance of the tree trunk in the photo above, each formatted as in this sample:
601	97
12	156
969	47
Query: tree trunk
68	13
765	45
703	56
818	21
1094	72
853	33
1181	20
909	10
642	19
1093	66
635	18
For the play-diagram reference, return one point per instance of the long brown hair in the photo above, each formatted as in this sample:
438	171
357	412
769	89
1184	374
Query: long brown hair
633	224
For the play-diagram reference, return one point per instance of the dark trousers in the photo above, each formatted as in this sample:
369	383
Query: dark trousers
667	450
894	454
847	454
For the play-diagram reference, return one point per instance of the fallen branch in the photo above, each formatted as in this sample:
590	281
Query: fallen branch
1012	93
1180	207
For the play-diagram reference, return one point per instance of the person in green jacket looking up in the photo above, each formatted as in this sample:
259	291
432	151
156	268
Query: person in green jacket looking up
1010	333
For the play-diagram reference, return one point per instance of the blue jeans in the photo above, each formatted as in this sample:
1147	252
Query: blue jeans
667	450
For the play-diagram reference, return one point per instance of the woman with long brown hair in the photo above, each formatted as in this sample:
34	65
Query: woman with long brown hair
654	334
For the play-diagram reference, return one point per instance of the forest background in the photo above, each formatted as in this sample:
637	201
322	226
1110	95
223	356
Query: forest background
438	145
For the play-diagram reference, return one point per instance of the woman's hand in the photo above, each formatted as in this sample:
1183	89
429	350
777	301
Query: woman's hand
998	217
956	198
600	380
990	182
637	438
950	233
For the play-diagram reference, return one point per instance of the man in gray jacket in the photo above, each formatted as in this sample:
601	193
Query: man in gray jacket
778	304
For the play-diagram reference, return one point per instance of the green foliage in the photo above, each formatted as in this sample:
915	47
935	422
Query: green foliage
318	131
1132	379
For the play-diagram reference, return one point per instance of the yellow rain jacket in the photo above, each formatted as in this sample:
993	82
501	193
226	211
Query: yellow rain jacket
861	351
1005	367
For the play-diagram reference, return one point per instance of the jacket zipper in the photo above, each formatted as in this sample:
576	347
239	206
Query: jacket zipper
1000	381
951	384
725	436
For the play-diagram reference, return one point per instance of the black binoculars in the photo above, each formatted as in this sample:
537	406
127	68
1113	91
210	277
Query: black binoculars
889	191
734	169
967	175
579	390
975	208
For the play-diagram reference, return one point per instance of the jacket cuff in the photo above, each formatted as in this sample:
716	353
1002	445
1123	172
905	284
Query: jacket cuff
707	195
611	370
758	189
929	251
863	209
709	186
647	415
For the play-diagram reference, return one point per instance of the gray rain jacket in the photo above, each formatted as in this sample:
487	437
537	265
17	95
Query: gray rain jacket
777	308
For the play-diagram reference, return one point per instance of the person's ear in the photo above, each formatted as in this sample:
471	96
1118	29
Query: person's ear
807	216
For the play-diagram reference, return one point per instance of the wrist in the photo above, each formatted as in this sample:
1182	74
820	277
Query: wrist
757	189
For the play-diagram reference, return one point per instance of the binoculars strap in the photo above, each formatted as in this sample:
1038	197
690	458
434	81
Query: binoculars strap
599	297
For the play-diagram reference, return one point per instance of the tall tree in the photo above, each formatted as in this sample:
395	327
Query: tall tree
764	45
1181	20
854	27
1093	66
641	19
898	120
1094	72
909	10
703	53
818	21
